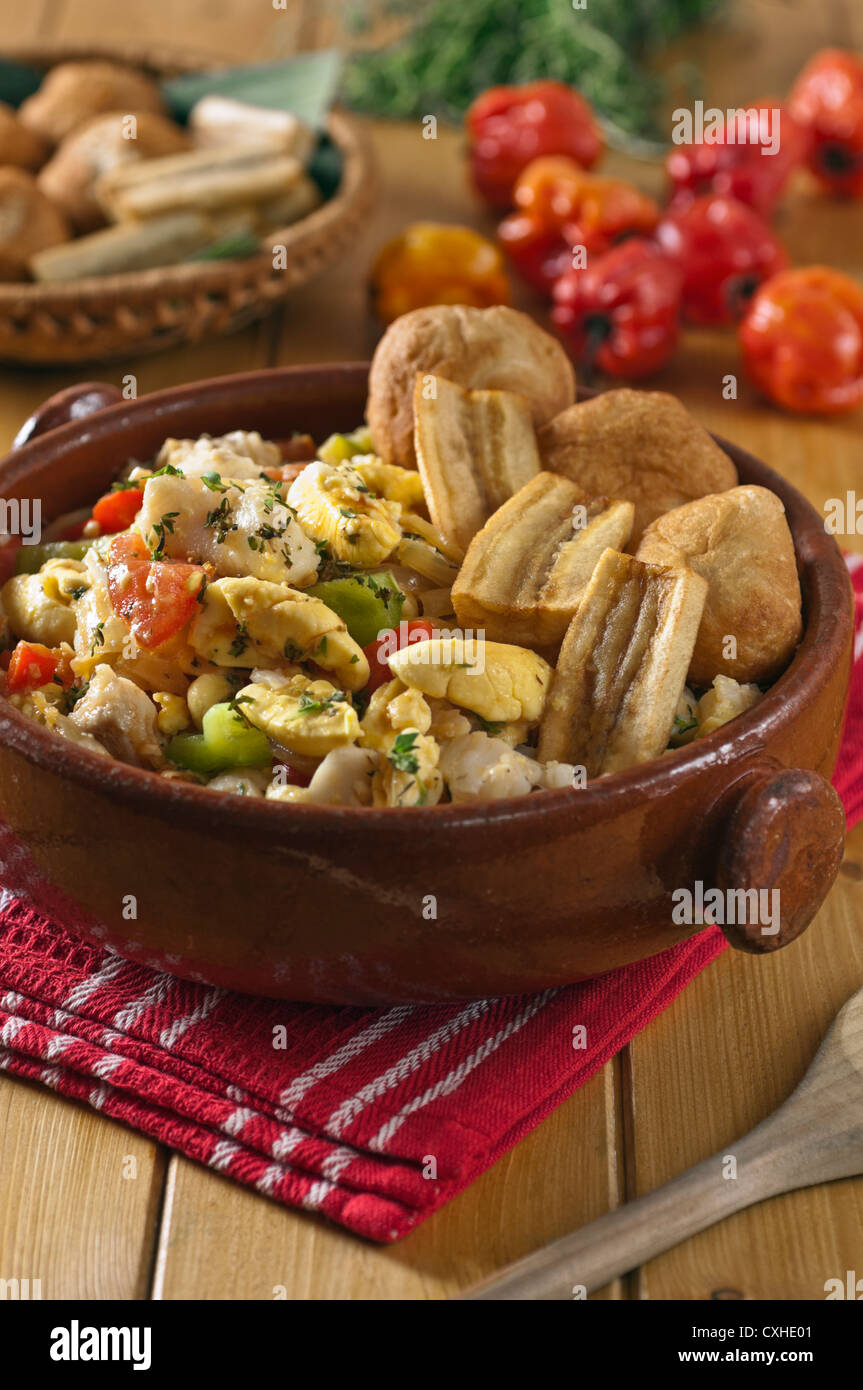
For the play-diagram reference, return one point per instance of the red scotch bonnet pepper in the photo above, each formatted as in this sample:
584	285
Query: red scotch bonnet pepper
559	207
749	157
507	127
724	250
802	340
622	312
827	101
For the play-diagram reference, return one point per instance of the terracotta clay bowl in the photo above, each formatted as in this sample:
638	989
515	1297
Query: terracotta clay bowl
373	906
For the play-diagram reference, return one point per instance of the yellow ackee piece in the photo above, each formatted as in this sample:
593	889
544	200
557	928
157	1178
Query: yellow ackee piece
173	714
355	525
392	708
388	480
309	717
40	607
252	622
499	682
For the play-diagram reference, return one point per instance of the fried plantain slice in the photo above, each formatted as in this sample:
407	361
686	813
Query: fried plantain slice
622	665
474	450
526	570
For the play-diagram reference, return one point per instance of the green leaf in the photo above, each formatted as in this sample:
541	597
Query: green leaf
402	754
452	50
305	85
232	248
325	167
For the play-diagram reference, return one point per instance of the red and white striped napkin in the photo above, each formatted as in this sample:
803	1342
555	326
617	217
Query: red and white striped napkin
375	1118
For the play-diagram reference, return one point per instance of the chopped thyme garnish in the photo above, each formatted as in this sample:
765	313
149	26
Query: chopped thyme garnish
163	527
402	755
360	700
309	705
72	695
240	642
682	726
237	700
220	520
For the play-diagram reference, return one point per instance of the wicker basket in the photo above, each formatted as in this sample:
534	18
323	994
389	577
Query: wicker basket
105	317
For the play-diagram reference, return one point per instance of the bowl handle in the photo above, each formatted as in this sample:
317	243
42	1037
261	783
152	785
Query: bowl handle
785	834
72	404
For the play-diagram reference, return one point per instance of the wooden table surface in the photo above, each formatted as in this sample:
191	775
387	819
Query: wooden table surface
718	1060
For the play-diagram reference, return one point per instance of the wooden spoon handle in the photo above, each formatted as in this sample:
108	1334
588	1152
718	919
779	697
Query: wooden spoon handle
632	1234
784	840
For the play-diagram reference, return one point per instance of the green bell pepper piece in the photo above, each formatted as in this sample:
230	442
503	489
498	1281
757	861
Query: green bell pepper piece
367	603
226	741
31	558
339	447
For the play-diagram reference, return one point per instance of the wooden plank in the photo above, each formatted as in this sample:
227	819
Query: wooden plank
753	49
24	22
221	1241
79	1197
242	30
21	392
328	320
726	1053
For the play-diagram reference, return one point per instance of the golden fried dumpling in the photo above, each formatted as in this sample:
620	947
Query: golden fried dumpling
739	541
640	445
496	349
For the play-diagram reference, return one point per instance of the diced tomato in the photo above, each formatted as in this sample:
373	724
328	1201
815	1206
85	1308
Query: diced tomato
287	472
31	665
377	653
64	675
117	510
297	453
300	448
157	598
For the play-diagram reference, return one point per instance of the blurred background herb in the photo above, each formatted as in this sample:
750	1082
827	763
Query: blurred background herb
453	49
